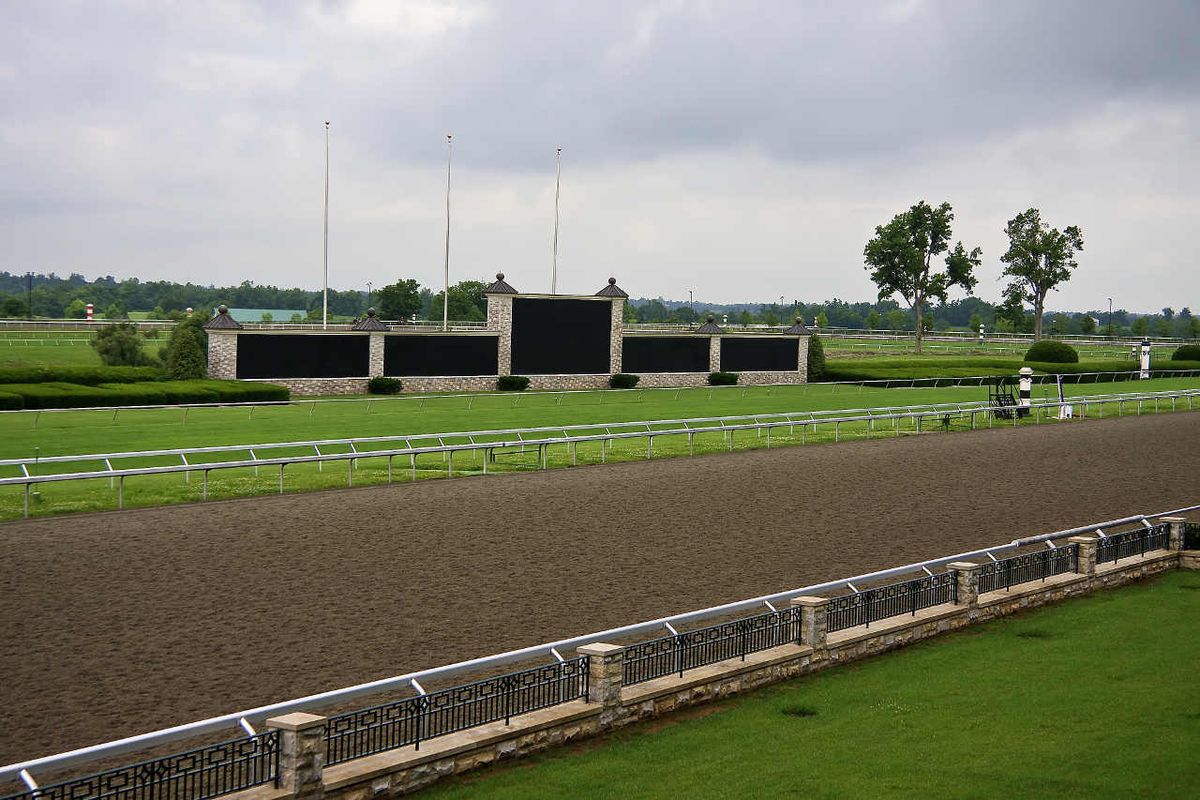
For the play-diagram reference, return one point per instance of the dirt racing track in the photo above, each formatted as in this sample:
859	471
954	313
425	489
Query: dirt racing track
121	623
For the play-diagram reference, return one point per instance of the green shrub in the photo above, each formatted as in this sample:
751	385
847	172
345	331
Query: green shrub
623	380
70	395
1049	351
186	353
58	395
512	383
119	345
1188	352
87	376
384	385
816	358
722	378
11	402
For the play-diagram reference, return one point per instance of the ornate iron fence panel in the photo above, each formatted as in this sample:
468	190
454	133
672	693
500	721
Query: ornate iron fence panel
1191	536
645	661
415	719
195	775
1028	567
908	597
1133	543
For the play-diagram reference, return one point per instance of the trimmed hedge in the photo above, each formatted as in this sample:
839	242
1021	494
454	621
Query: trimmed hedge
512	383
722	378
623	380
1049	351
384	385
816	358
10	402
1188	352
85	376
57	394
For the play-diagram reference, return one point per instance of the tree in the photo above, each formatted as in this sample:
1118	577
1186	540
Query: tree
874	320
186	353
401	300
1087	325
897	320
1039	259
119	345
114	311
12	307
466	302
822	320
975	322
76	309
1140	326
267	316
900	258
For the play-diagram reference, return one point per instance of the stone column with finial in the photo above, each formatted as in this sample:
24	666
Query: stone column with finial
712	330
371	324
222	332
499	319
616	333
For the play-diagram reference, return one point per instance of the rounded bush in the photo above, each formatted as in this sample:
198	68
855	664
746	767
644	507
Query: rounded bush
384	385
722	378
623	380
1188	352
816	358
1048	351
512	383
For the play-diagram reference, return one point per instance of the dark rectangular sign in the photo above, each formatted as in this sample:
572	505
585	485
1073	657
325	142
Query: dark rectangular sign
446	354
641	354
304	355
553	336
759	354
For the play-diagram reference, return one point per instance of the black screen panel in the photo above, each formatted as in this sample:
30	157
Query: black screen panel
664	354
440	355
759	354
553	336
263	355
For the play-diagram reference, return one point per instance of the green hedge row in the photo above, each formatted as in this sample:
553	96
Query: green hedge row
59	394
86	376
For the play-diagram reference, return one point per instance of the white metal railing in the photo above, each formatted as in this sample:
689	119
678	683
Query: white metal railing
239	719
542	441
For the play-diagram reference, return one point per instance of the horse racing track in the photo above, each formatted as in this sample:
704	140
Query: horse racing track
116	624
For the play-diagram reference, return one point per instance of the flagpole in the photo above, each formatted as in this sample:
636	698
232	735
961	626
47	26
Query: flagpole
446	284
557	187
325	291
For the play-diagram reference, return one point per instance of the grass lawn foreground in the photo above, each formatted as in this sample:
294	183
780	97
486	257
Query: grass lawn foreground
1093	698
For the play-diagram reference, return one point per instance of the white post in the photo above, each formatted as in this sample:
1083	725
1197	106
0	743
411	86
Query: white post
981	333
325	290
1145	359
1025	391
446	283
557	187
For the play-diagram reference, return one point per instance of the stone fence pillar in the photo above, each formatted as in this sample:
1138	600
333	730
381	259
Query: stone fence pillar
1087	553
812	626
1175	541
606	677
301	754
375	356
714	354
967	575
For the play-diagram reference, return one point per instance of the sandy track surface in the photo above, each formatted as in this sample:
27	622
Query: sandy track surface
119	623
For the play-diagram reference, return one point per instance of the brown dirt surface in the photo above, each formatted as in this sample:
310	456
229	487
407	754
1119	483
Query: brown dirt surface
121	623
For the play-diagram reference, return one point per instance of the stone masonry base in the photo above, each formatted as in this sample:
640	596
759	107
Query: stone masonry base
403	770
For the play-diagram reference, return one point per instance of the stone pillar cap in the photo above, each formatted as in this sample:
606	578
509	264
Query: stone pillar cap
296	721
1083	539
963	565
805	600
1172	519
600	649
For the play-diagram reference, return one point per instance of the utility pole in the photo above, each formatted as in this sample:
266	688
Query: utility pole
446	282
29	296
1109	332
368	294
557	188
325	290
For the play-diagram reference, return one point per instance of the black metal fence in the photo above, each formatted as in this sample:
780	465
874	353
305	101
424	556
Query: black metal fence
195	775
908	597
1133	543
1191	536
1028	567
416	719
645	661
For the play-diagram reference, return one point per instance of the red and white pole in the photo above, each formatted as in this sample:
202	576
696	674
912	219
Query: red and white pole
90	310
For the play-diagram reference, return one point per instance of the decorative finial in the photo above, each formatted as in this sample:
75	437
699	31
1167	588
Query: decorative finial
370	312
222	309
799	321
499	276
710	317
612	281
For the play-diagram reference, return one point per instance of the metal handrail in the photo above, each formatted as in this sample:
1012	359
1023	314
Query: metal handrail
546	650
786	418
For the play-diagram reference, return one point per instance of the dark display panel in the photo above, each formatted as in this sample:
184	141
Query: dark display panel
664	354
308	355
759	354
552	336
440	355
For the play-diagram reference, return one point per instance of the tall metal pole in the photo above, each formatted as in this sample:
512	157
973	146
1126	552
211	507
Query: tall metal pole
1109	332
557	186
446	285
325	290
29	296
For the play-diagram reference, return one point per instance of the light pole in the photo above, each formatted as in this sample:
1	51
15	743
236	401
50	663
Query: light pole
690	301
446	286
368	294
325	289
1109	326
557	187
780	309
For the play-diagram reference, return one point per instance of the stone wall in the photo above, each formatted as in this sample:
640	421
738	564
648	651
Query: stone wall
499	318
222	355
616	335
611	705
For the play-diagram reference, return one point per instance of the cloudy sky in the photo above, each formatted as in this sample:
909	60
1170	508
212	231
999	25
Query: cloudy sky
741	150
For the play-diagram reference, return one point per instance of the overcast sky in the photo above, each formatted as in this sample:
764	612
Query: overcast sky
741	150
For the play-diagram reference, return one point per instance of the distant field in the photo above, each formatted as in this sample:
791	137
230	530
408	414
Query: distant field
866	347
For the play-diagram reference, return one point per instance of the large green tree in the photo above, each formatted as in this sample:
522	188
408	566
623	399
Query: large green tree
467	303
901	259
186	353
401	300
1039	259
120	345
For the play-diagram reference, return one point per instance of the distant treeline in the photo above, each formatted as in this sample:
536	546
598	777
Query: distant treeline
57	297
